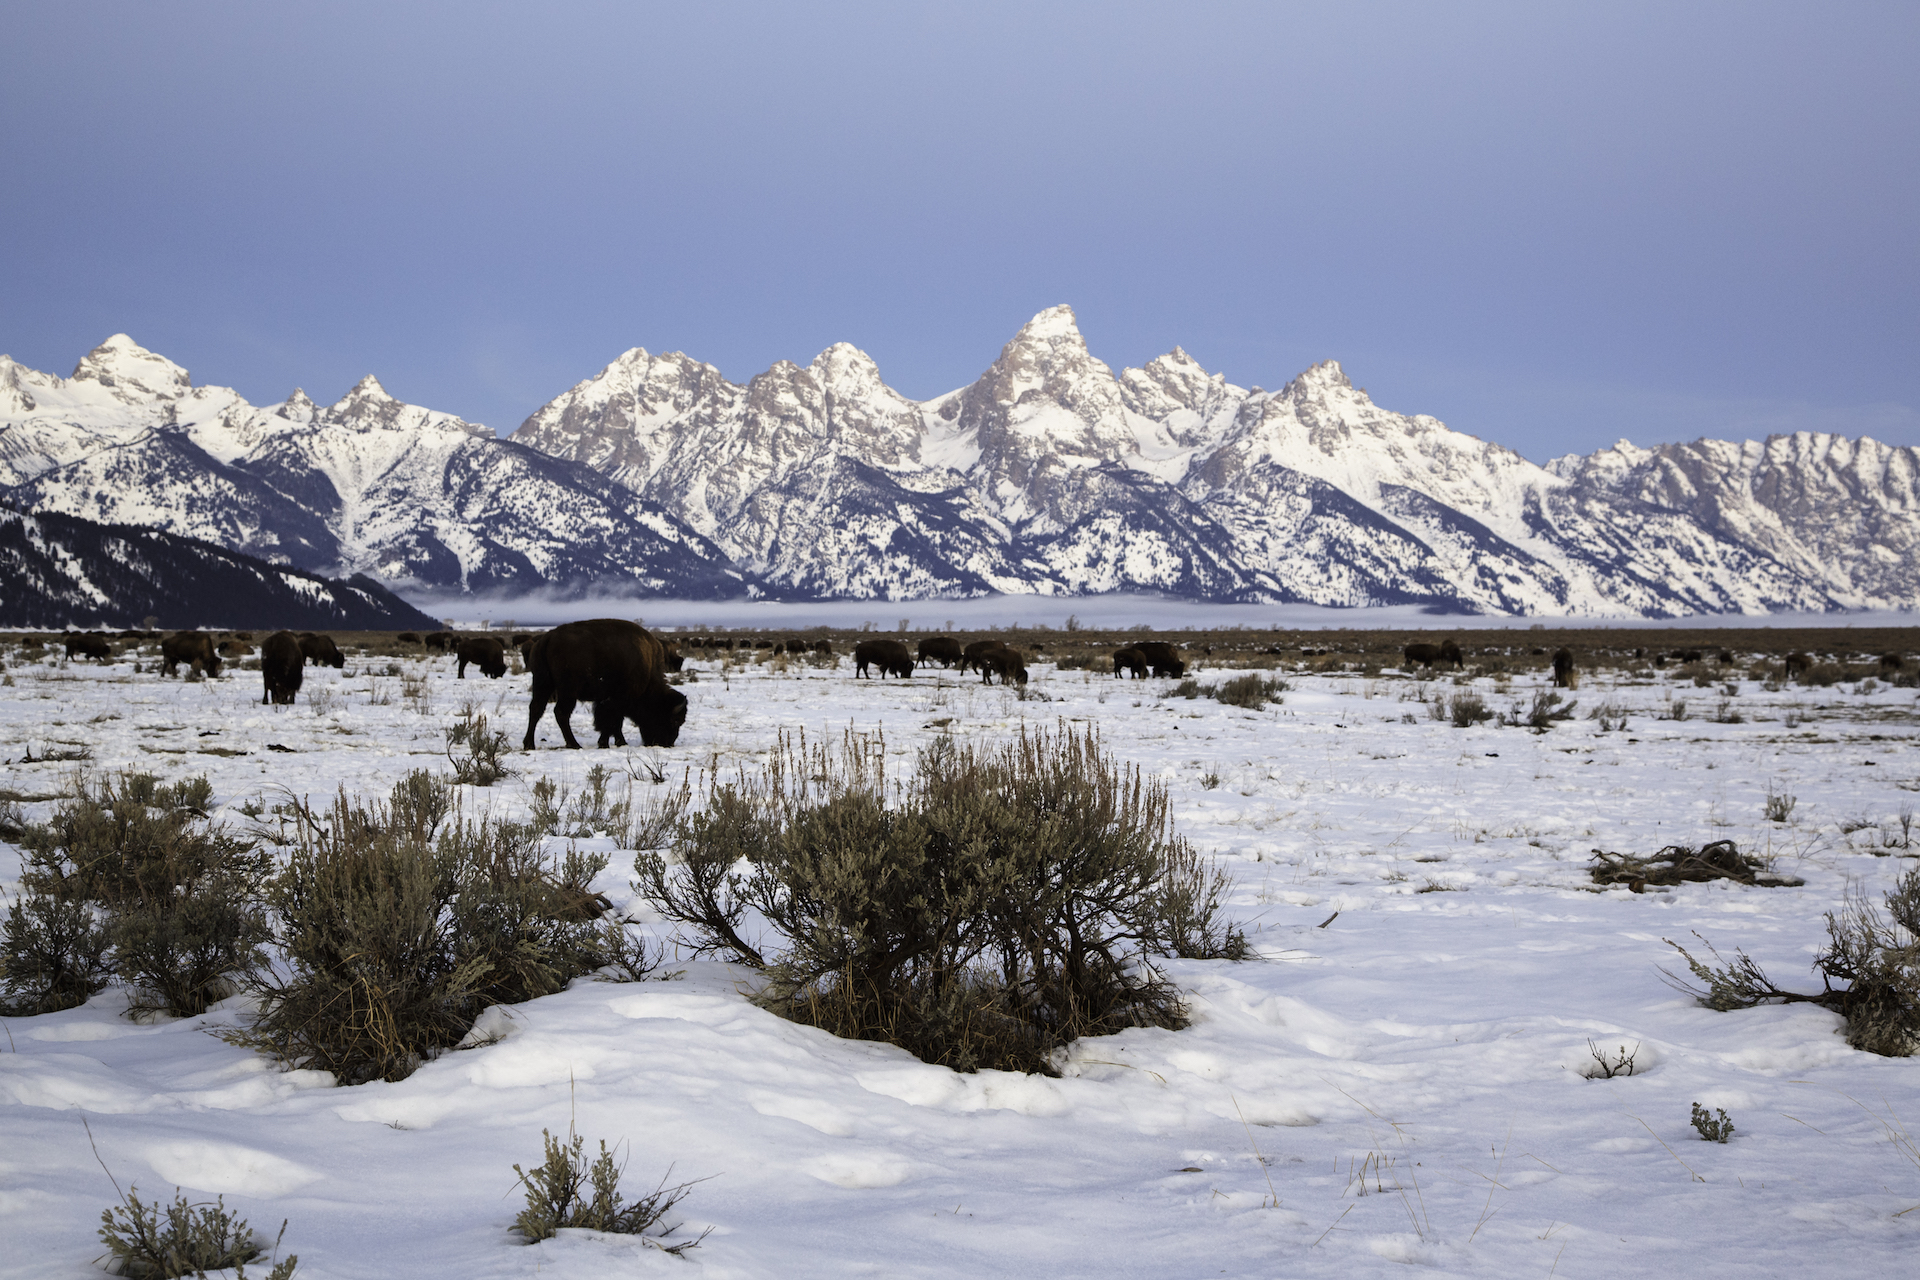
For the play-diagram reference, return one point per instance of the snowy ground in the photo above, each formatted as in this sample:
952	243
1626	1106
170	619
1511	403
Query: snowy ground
1435	1040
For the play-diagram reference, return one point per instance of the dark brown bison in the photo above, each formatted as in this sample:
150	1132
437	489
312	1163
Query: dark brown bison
1131	661
970	656
823	646
1424	654
408	637
195	648
283	667
484	652
231	649
1797	664
944	650
892	657
522	638
438	641
1891	664
616	665
1004	662
88	644
1161	658
675	660
1563	668
1450	653
320	649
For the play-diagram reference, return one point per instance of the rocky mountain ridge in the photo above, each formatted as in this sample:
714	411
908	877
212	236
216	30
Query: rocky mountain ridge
1050	474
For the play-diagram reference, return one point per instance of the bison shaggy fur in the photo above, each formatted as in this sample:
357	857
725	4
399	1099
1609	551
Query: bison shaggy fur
484	652
890	656
283	667
321	651
1131	661
1563	668
1161	658
616	665
1004	662
194	648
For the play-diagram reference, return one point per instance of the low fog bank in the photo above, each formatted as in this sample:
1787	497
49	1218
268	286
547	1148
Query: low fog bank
1106	612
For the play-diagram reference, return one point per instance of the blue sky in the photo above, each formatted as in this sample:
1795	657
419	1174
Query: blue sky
1550	225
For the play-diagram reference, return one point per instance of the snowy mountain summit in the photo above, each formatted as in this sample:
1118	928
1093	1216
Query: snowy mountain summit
1049	473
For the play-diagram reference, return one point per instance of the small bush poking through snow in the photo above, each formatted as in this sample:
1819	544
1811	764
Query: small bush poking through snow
190	1240
131	878
397	935
1004	904
1712	1128
1779	805
481	766
1878	959
567	1190
1249	691
1466	709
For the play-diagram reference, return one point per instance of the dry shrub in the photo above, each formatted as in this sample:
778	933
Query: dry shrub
132	879
401	922
1875	953
997	905
567	1190
1683	864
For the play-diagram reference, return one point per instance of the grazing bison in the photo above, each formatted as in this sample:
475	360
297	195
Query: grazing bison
1450	653
944	650
233	649
90	645
1161	658
675	661
1131	661
890	656
283	667
484	652
970	656
1005	662
1891	664
1563	668
1797	664
1424	654
194	648
616	665
408	637
438	641
321	651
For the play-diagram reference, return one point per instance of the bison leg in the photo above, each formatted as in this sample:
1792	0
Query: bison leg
563	716
461	674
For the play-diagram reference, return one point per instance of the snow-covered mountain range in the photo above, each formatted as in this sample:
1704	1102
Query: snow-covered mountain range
1050	473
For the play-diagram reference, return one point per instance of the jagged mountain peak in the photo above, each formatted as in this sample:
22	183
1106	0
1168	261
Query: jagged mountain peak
131	371
1324	376
366	391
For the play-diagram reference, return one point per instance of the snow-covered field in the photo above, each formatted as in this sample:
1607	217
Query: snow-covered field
1396	1079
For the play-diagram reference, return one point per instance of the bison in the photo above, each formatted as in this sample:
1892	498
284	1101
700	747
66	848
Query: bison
1450	653
892	657
1797	664
438	641
1424	654
194	648
1131	661
1563	668
1161	658
408	637
1007	663
484	652
823	646
616	665
233	648
88	644
944	650
283	667
321	651
1891	664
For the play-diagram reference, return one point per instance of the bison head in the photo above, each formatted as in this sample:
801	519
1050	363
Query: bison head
658	711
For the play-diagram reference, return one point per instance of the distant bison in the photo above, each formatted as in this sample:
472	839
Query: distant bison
890	656
944	650
231	649
823	646
1131	661
484	652
1891	664
1450	653
1797	664
88	644
616	665
283	667
1563	668
1424	654
194	648
1161	658
970	656
1004	662
408	637
438	641
321	651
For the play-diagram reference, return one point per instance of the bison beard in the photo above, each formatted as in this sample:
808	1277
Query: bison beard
617	666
